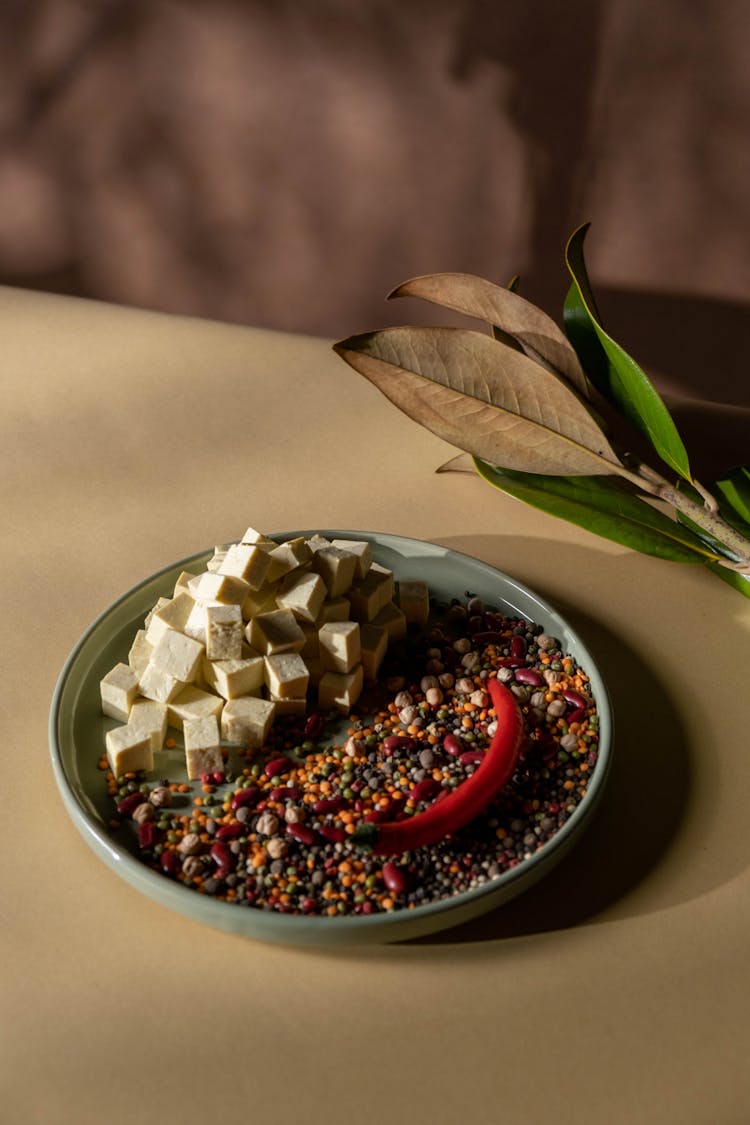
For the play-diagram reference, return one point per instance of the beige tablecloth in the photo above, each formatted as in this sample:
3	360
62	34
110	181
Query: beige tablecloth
615	990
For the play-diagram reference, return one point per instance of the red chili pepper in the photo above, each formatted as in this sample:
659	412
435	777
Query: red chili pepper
464	804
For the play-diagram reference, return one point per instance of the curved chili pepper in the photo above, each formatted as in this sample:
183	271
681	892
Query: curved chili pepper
463	804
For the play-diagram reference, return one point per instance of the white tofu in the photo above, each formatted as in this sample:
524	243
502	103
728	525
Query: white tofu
140	652
248	562
334	609
129	750
260	601
337	568
340	690
393	620
289	706
154	683
315	542
118	690
340	646
287	557
181	585
303	594
275	631
286	675
178	655
215	587
202	746
160	603
247	721
359	547
193	703
172	616
233	678
374	644
152	717
224	632
253	536
368	596
414	600
217	558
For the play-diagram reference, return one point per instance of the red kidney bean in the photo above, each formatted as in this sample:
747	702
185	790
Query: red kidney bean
573	698
509	662
332	834
170	863
471	757
376	816
576	716
327	805
301	832
452	745
488	637
223	858
277	766
314	725
285	793
425	789
394	878
148	834
230	831
128	805
529	676
245	798
517	647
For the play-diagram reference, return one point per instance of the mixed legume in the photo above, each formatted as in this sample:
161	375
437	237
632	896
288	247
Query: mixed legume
280	828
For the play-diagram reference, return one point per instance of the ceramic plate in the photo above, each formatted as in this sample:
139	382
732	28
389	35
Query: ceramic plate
77	730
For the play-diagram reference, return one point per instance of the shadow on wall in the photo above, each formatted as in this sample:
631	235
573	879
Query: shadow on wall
286	165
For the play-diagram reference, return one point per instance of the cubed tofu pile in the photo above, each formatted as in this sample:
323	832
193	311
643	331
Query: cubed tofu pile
267	629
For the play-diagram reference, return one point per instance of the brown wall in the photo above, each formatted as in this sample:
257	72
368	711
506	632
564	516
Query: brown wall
285	164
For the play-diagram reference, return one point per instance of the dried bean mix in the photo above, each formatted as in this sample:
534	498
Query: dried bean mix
281	832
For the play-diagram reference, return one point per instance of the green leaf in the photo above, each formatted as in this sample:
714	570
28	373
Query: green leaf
483	397
739	581
535	332
604	506
622	382
734	488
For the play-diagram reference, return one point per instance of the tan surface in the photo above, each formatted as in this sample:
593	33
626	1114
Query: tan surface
615	990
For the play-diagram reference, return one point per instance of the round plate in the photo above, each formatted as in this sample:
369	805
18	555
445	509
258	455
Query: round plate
77	730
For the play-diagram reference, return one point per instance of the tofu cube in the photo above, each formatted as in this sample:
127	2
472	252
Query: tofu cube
275	631
393	620
215	587
181	585
232	678
224	632
218	557
128	750
247	562
414	600
154	683
178	655
334	609
359	547
171	616
140	653
368	596
118	690
337	568
287	557
260	601
340	646
160	603
315	542
340	690
253	536
286	675
289	706
202	746
193	703
303	594
374	644
247	721
151	717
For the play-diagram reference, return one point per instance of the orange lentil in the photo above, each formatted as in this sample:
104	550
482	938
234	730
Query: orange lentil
170	743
